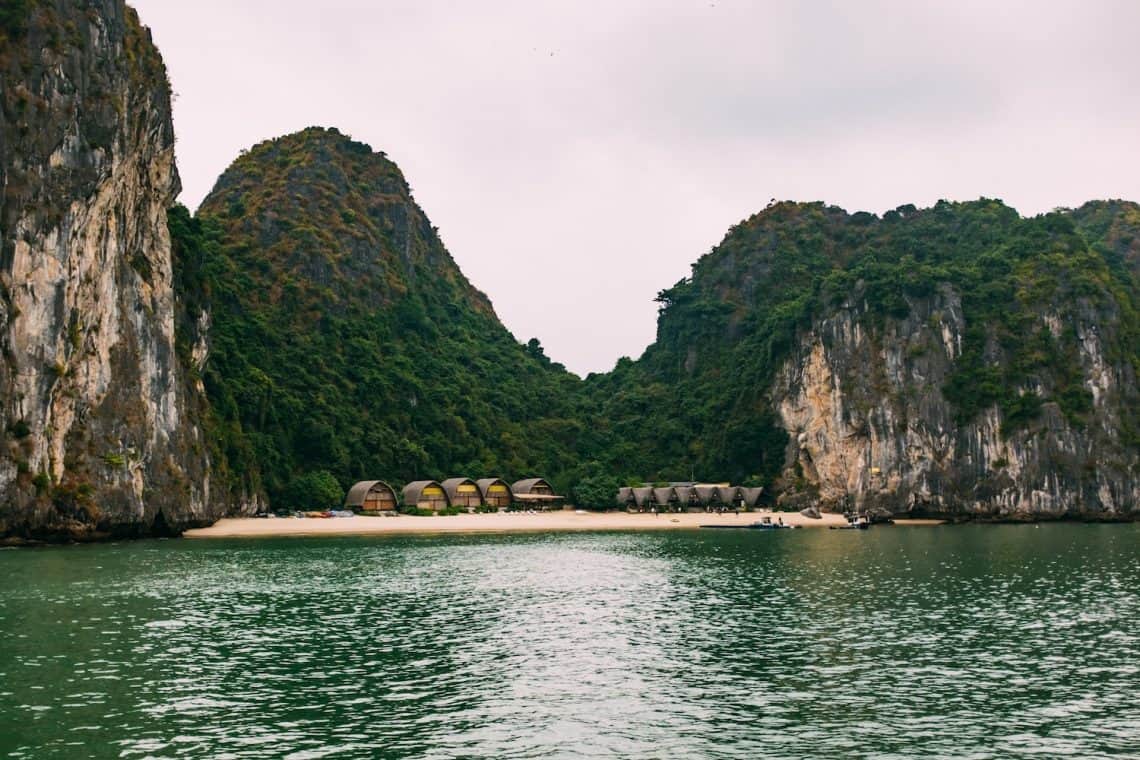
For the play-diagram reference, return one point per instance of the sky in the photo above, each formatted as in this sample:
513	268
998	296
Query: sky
578	157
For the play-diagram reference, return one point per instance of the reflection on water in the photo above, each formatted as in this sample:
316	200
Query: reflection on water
955	642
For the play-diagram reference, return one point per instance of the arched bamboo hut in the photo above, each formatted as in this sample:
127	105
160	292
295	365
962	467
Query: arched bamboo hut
462	493
371	496
642	496
495	492
664	498
425	494
751	496
535	493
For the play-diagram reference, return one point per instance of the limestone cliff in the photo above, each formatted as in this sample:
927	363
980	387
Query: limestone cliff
94	434
957	361
872	430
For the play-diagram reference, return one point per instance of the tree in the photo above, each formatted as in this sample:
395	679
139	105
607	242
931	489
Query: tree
314	490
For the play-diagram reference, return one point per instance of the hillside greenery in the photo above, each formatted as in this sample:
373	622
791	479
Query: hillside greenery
696	402
345	340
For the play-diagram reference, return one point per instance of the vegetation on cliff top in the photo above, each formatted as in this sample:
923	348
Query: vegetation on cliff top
697	401
346	340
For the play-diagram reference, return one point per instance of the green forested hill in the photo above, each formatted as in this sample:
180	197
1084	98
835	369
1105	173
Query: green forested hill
700	399
345	339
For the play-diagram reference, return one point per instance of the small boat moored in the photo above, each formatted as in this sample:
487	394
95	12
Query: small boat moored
764	523
854	522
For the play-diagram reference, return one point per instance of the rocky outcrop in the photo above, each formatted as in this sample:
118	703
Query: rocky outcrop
94	433
870	428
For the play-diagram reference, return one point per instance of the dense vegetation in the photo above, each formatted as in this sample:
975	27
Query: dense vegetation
345	341
697	400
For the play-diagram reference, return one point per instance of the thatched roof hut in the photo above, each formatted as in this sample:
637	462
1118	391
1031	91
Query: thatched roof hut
535	492
495	492
751	496
642	496
686	496
371	496
462	492
728	495
706	494
624	496
425	494
663	497
531	486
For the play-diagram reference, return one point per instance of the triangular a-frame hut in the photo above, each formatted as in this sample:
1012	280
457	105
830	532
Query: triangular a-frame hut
751	496
665	497
706	495
686	497
729	495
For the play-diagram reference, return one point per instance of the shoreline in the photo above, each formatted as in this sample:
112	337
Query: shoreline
498	522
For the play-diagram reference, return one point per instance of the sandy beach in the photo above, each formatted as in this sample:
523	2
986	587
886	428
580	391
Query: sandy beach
511	522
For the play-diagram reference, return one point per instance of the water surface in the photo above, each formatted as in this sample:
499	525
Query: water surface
975	642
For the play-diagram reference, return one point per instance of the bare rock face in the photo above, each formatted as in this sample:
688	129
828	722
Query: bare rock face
94	434
870	429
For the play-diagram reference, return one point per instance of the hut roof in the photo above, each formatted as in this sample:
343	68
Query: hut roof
641	495
451	486
728	494
751	496
526	486
356	494
624	494
663	495
413	490
705	494
485	484
684	493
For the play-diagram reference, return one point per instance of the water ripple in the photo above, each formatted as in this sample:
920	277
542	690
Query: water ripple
967	643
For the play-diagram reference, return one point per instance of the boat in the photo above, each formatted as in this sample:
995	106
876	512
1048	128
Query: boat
764	523
854	522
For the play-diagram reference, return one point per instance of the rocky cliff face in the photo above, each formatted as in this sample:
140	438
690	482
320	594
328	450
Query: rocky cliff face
871	429
958	361
94	437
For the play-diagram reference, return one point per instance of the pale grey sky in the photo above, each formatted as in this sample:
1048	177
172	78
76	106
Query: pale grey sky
579	156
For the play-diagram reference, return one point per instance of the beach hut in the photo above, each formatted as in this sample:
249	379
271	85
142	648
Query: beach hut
642	497
664	498
495	492
729	495
706	495
462	493
371	496
751	496
425	494
625	497
535	493
687	497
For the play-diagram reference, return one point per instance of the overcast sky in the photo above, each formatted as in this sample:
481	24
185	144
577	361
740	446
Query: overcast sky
579	156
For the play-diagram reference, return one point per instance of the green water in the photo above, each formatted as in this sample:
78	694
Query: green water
974	642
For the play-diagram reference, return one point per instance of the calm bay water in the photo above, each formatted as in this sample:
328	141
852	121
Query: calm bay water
967	642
